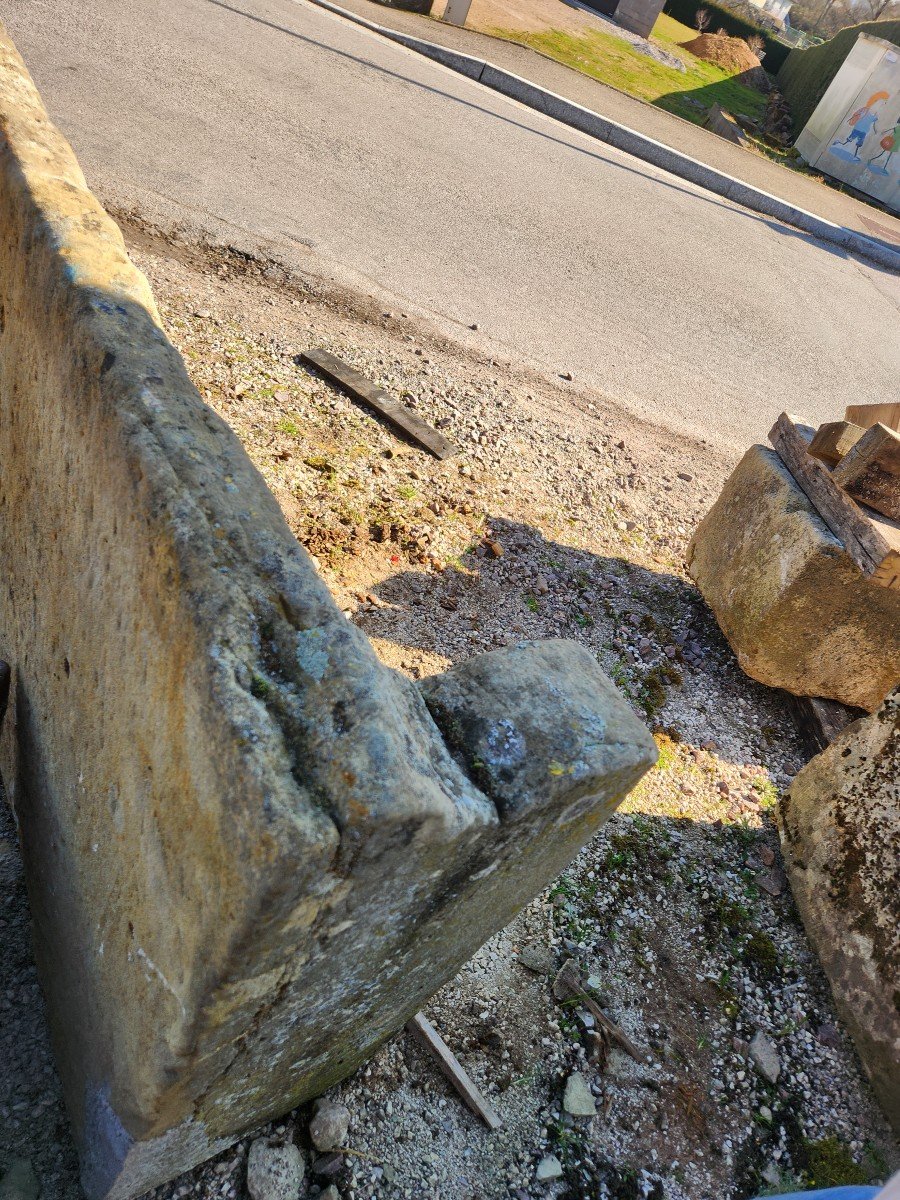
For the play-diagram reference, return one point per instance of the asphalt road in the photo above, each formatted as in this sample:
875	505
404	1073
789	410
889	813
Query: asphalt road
279	121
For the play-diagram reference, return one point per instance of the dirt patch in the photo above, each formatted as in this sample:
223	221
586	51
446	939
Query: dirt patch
731	54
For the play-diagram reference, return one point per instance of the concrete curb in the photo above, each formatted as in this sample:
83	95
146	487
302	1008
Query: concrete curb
634	143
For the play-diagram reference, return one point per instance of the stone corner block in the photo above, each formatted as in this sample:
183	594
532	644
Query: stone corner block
796	610
840	830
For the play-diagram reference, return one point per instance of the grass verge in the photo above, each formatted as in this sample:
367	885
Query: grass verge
615	62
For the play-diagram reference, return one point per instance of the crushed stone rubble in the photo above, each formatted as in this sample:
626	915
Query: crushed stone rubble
562	515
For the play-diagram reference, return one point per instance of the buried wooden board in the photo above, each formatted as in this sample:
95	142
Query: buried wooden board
568	986
872	541
396	414
821	721
426	1034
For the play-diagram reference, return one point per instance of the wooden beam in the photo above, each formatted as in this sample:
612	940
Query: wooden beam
870	472
868	415
872	542
426	1035
821	720
396	414
833	440
568	986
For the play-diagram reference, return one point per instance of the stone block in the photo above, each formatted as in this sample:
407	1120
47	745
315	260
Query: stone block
252	852
840	830
723	123
795	608
638	15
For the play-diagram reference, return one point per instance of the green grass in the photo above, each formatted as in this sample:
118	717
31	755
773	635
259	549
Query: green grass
830	1164
613	61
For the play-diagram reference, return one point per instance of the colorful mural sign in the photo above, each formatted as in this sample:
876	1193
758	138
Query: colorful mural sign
854	134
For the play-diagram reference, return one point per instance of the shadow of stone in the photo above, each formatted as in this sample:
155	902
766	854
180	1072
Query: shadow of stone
33	1120
650	629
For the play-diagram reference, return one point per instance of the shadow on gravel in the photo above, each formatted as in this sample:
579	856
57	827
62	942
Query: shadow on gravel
33	1121
651	630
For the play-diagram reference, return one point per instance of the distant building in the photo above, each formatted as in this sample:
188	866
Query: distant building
776	9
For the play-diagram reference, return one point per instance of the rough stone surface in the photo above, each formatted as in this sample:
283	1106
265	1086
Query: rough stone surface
577	1098
274	1172
795	608
251	853
537	958
328	1128
548	1169
765	1057
840	830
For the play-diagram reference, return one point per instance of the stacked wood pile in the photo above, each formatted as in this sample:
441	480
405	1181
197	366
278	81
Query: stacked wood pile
850	471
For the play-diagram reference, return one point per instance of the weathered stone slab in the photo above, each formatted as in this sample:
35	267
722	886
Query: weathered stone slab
796	609
251	853
840	829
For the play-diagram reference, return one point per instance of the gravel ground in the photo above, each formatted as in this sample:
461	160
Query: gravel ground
561	515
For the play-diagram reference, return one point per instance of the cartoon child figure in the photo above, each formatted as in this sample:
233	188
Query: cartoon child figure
890	144
861	122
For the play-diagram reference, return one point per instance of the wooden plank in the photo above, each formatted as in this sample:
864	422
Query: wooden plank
568	986
870	471
426	1034
833	440
887	573
873	544
868	415
396	414
822	720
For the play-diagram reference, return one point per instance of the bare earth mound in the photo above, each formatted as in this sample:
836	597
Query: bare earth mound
729	53
732	54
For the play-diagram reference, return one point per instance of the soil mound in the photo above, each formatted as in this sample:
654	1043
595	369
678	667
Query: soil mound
729	53
732	54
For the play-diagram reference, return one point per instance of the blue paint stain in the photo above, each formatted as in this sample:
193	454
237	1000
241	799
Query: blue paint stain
106	1142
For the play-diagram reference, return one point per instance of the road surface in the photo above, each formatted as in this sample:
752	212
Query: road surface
282	122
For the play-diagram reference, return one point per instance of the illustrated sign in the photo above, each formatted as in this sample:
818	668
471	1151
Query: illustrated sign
863	148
